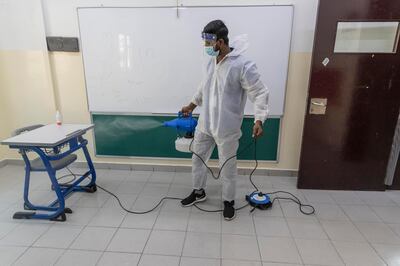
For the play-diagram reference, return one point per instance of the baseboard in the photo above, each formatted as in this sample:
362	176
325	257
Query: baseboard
163	168
11	162
3	163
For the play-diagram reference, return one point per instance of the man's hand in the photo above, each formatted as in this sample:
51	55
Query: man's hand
186	110
257	129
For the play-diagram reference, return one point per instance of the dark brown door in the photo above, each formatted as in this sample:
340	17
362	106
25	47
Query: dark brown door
348	146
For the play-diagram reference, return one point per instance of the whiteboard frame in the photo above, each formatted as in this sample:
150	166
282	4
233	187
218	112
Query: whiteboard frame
278	154
189	6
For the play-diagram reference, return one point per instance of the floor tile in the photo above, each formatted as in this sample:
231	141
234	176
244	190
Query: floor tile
9	254
202	245
39	256
205	223
59	236
152	260
160	243
81	215
240	263
279	264
241	225
378	233
318	252
172	205
116	259
108	217
390	253
276	249
92	200
129	240
306	228
375	198
142	221
199	262
395	228
388	214
346	197
155	189
6	227
342	230
174	221
93	238
291	210
161	177
24	234
118	175
79	258
145	203
127	200
361	213
318	196
130	187
330	212
354	253
141	176
271	226
240	247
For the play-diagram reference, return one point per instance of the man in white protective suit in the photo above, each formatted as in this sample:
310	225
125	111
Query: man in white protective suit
230	79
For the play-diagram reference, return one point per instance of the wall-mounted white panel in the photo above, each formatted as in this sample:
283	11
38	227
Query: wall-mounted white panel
150	60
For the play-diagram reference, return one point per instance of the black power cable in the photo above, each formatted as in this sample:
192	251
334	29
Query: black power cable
294	198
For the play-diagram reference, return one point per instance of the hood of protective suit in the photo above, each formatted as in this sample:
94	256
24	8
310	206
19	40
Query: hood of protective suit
240	44
224	90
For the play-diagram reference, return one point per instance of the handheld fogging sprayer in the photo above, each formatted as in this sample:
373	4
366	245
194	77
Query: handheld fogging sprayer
185	126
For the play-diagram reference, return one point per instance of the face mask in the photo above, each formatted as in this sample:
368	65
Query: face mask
210	51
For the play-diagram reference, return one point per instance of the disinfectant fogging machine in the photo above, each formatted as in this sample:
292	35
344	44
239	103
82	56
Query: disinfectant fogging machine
185	126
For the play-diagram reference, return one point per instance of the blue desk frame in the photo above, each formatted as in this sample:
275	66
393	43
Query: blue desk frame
56	209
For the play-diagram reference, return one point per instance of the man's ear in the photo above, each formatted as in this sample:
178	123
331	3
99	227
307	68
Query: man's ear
219	43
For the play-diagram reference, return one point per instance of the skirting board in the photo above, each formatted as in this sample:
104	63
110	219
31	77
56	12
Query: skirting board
163	168
3	163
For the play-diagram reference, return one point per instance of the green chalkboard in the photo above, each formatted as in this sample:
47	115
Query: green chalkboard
144	136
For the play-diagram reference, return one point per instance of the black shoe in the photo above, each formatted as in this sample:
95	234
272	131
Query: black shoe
194	197
229	210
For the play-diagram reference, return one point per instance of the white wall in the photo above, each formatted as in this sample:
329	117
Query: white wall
61	16
25	81
39	82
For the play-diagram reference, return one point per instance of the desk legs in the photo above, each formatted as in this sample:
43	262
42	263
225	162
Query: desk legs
92	185
57	208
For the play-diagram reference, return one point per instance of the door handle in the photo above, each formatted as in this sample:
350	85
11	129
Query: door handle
318	106
318	103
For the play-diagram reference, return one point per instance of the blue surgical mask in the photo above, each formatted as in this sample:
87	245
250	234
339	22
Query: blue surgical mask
210	51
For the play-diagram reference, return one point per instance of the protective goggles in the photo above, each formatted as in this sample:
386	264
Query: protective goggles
209	38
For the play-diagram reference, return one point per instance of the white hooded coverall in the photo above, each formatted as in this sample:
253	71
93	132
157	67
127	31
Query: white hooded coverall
223	94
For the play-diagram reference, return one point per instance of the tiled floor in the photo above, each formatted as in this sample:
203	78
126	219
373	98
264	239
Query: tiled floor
349	228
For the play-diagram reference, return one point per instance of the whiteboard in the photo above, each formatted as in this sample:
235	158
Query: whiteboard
151	60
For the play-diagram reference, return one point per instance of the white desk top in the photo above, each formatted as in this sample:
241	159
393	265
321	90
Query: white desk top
48	136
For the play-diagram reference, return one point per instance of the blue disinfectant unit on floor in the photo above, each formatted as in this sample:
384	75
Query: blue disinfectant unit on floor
259	200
